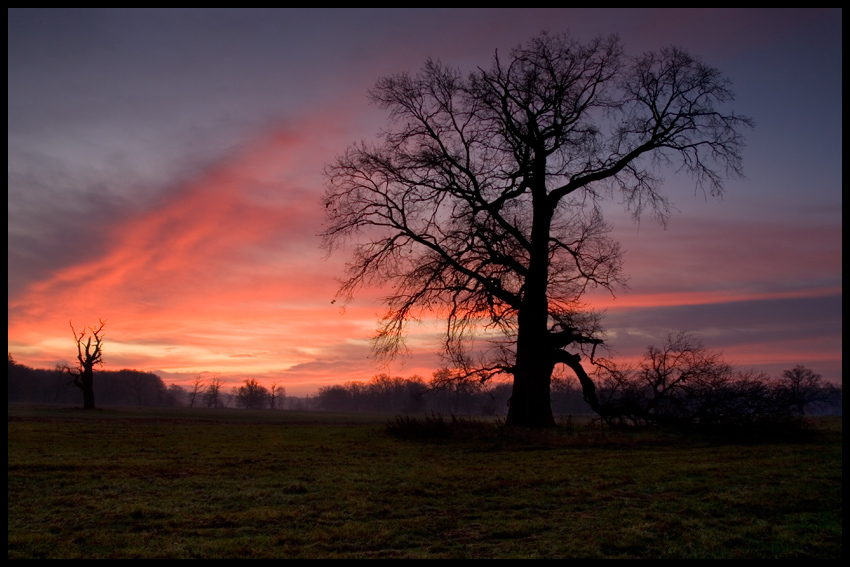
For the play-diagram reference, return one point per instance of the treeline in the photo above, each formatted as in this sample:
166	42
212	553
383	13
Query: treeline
136	388
112	387
637	395
683	384
383	393
669	389
210	392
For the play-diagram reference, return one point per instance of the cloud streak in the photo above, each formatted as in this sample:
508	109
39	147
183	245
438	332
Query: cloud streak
223	248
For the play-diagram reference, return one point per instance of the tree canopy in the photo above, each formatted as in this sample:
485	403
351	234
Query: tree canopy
482	200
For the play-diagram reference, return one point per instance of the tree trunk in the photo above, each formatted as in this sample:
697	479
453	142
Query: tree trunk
87	386
530	404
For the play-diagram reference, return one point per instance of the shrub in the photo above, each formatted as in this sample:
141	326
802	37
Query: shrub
683	384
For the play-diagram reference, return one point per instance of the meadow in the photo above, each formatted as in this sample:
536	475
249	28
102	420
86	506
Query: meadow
194	483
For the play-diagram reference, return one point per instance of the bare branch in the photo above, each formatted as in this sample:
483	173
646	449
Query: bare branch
480	203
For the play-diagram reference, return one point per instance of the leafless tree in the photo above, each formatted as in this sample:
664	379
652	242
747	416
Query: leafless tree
684	384
276	396
806	390
213	393
482	200
197	385
88	356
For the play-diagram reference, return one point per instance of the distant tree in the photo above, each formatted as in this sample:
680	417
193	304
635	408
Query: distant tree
382	393
88	356
213	395
277	394
414	396
175	396
196	390
334	398
140	388
357	394
449	394
252	395
807	391
386	393
482	200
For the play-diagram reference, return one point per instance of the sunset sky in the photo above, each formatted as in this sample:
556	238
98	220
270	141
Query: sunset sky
165	170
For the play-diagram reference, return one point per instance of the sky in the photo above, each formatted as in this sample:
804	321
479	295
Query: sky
165	171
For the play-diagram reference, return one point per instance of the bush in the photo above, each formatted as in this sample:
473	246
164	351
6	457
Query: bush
683	384
436	427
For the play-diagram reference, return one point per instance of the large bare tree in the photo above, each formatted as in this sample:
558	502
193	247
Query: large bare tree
88	356
481	202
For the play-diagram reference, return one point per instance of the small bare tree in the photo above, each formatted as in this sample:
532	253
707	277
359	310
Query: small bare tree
197	384
88	355
213	393
276	395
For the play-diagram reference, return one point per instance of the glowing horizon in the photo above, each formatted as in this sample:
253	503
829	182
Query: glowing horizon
183	206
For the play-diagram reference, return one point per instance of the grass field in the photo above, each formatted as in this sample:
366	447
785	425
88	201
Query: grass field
229	483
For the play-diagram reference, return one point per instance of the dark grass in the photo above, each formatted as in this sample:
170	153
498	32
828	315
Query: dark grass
215	484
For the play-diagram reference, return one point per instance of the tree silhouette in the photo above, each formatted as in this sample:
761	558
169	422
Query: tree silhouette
197	385
684	384
88	356
252	394
482	200
805	389
277	395
213	393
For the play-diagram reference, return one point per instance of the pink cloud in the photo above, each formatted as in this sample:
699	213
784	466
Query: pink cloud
230	251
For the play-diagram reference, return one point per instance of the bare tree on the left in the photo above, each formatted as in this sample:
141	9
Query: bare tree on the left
88	355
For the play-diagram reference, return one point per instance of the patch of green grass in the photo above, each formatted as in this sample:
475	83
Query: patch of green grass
187	483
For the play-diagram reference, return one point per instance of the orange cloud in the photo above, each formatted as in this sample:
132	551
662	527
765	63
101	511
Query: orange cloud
226	261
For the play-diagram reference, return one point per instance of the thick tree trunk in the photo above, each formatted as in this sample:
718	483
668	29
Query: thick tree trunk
530	404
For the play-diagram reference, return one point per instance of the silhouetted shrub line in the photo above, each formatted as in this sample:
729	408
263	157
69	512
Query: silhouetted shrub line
684	385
